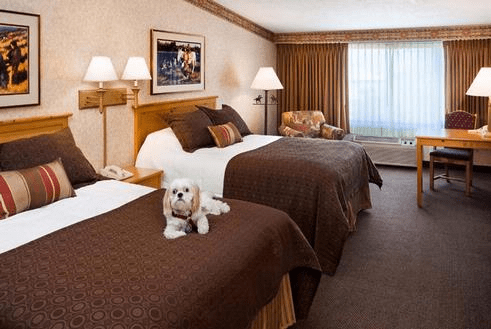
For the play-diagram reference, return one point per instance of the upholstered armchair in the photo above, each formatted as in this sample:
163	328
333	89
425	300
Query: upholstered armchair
308	124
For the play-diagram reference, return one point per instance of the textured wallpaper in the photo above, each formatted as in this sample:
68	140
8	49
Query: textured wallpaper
72	31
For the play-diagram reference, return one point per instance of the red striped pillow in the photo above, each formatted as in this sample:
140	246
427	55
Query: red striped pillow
225	135
31	188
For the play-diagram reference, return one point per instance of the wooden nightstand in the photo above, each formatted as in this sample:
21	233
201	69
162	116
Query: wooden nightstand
144	176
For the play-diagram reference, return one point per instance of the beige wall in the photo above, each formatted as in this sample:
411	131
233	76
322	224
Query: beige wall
72	31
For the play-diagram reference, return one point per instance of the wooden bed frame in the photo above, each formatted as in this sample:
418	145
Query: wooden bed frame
28	127
149	117
279	312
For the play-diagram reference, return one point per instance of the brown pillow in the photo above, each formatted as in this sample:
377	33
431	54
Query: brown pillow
191	129
31	188
34	151
225	115
225	135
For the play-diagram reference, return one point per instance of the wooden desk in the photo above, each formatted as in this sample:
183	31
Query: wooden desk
458	138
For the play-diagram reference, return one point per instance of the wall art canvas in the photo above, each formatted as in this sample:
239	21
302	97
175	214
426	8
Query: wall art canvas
177	61
19	59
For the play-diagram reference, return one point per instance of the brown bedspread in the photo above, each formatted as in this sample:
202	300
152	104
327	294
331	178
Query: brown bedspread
118	271
321	184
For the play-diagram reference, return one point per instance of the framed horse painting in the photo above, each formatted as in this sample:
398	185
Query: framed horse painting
19	59
177	61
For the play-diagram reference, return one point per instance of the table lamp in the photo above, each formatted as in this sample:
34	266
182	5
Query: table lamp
481	86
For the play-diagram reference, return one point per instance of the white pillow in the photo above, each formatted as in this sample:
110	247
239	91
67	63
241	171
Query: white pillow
163	141
159	143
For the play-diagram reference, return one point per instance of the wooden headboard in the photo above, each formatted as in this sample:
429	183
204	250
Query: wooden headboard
27	127
149	117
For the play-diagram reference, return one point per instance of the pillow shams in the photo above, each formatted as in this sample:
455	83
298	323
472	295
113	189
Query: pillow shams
38	150
225	135
225	115
32	188
191	129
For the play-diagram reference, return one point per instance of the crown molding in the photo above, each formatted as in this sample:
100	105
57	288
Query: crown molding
222	12
464	32
409	34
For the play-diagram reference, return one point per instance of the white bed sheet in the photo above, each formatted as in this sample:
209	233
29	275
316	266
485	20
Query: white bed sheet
206	166
90	201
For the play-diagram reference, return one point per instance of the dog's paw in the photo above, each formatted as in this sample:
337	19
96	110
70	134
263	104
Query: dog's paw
225	208
173	234
203	227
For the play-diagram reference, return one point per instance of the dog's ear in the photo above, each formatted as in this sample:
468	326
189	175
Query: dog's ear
166	203
195	207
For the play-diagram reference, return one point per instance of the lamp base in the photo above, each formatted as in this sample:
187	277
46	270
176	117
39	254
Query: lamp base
485	133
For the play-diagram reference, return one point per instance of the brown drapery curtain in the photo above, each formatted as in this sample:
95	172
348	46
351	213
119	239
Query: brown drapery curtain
463	59
314	77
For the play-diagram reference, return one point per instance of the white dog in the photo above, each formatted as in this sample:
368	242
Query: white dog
185	207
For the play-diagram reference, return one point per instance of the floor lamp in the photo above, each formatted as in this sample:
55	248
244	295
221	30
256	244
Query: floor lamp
481	86
266	80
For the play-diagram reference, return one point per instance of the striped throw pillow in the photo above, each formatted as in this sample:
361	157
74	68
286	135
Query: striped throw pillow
31	188
225	135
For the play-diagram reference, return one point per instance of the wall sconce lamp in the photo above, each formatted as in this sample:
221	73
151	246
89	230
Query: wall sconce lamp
100	70
266	79
481	86
136	69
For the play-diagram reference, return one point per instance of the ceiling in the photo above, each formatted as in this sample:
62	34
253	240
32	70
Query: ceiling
290	16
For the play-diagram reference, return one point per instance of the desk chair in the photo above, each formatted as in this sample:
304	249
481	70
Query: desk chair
454	120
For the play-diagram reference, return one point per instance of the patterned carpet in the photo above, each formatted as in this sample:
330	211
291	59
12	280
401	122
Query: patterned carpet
407	267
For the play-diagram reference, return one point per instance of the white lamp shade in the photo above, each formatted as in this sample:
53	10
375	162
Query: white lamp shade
136	69
266	79
100	69
481	86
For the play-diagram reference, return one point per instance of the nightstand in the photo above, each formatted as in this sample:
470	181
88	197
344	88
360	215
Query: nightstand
144	176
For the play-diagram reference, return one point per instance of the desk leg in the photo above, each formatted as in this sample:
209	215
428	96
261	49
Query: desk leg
419	164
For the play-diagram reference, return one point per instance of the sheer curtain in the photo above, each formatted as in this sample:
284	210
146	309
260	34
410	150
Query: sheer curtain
395	88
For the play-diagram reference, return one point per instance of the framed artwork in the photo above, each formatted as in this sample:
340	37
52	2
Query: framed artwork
177	61
19	59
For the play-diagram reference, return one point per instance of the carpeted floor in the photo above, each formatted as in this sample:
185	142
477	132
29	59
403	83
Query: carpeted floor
407	267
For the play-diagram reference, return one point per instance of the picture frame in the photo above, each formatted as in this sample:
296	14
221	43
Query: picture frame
177	62
20	59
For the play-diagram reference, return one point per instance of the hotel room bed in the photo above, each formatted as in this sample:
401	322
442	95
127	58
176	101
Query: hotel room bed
99	259
321	184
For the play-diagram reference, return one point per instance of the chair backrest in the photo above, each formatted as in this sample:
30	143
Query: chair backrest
460	120
313	118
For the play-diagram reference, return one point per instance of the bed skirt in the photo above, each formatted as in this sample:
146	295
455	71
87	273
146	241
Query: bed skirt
279	313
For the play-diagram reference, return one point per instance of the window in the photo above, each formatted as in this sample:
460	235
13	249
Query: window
395	88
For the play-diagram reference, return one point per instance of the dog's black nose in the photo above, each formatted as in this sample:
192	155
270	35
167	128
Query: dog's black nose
179	195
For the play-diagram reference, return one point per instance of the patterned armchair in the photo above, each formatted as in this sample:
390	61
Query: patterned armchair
308	124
